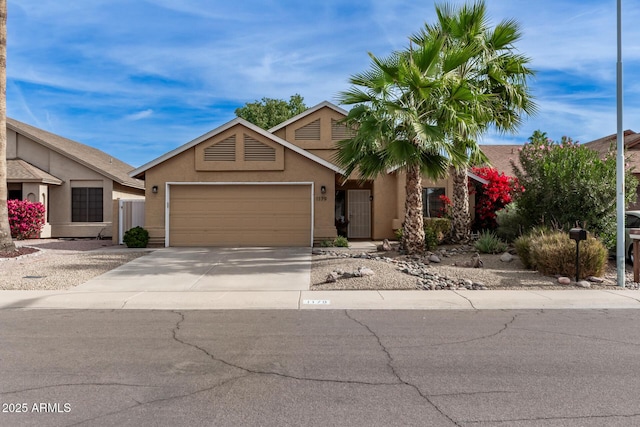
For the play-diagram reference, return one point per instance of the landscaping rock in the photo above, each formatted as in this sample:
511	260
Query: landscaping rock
506	257
434	258
365	271
332	277
564	280
583	284
386	246
593	279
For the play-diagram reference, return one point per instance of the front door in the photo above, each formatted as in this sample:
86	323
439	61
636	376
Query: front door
359	211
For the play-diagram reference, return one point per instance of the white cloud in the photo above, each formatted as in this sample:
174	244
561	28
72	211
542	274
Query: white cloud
139	115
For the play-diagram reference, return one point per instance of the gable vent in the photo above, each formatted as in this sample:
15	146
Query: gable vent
223	151
339	131
310	132
256	151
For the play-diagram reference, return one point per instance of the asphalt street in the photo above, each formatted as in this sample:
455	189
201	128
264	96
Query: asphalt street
320	368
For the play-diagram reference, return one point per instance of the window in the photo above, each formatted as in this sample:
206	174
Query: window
432	204
86	204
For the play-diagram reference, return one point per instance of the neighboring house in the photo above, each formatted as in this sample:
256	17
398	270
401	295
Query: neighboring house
242	185
501	156
608	144
76	183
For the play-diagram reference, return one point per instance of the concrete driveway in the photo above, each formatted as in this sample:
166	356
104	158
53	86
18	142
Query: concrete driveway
209	269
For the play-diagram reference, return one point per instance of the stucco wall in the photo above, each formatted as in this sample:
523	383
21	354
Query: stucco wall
181	168
72	174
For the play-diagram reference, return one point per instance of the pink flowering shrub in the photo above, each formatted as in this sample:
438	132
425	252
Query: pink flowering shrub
25	219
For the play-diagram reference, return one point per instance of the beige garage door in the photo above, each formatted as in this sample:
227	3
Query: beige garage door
240	215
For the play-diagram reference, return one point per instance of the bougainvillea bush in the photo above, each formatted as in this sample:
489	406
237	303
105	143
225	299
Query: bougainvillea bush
26	219
494	195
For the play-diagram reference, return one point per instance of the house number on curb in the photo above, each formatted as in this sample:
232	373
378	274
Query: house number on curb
316	301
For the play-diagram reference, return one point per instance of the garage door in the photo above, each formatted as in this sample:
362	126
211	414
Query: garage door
240	215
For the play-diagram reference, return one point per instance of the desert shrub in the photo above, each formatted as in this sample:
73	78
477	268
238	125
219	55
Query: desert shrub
489	243
341	242
568	184
430	239
441	227
509	223
136	237
398	233
554	253
26	218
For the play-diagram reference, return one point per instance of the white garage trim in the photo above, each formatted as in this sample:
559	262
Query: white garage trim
168	198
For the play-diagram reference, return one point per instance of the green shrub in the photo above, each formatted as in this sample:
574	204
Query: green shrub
554	253
430	239
489	243
398	234
136	237
509	223
326	243
569	184
441	227
341	242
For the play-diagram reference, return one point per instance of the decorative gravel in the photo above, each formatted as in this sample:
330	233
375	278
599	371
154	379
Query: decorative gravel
393	271
61	264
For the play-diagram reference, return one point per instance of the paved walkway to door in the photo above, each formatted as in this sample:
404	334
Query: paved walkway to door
209	269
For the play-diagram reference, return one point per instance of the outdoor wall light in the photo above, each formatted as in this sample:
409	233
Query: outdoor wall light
154	189
323	189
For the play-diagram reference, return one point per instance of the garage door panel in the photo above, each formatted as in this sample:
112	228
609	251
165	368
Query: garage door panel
242	215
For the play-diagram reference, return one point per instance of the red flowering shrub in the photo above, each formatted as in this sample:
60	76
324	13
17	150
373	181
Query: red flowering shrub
493	196
25	219
445	210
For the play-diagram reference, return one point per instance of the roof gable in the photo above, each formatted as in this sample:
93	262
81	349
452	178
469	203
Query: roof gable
90	157
323	104
237	121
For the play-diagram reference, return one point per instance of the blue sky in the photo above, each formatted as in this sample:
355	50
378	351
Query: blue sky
137	78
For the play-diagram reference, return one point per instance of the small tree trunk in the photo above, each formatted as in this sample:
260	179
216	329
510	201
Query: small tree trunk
413	229
6	243
460	216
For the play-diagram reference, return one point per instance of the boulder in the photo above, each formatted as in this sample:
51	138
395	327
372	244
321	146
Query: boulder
434	258
366	271
583	284
564	280
506	257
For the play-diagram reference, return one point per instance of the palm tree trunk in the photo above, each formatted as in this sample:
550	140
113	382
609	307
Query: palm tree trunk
460	216
413	229
6	243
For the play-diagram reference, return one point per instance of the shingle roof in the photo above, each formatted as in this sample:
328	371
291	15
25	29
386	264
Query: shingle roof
500	157
20	171
90	157
607	144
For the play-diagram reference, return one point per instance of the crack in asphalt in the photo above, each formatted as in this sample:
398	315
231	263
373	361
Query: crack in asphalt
164	399
259	372
577	417
424	396
78	384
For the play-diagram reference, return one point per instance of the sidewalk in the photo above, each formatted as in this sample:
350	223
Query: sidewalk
314	300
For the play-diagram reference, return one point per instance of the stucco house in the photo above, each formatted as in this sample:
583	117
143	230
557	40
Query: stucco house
242	185
76	183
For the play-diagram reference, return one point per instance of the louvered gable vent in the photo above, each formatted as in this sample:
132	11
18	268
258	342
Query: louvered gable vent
223	151
310	132
339	131
256	151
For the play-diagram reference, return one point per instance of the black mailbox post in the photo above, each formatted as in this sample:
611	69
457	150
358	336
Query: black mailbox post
577	234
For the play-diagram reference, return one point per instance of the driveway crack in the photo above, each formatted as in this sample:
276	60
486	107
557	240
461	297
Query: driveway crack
424	396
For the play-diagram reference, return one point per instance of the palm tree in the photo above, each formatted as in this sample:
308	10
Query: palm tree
496	70
404	105
6	243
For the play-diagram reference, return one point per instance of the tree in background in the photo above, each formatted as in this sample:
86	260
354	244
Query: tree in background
567	184
494	69
6	243
269	112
